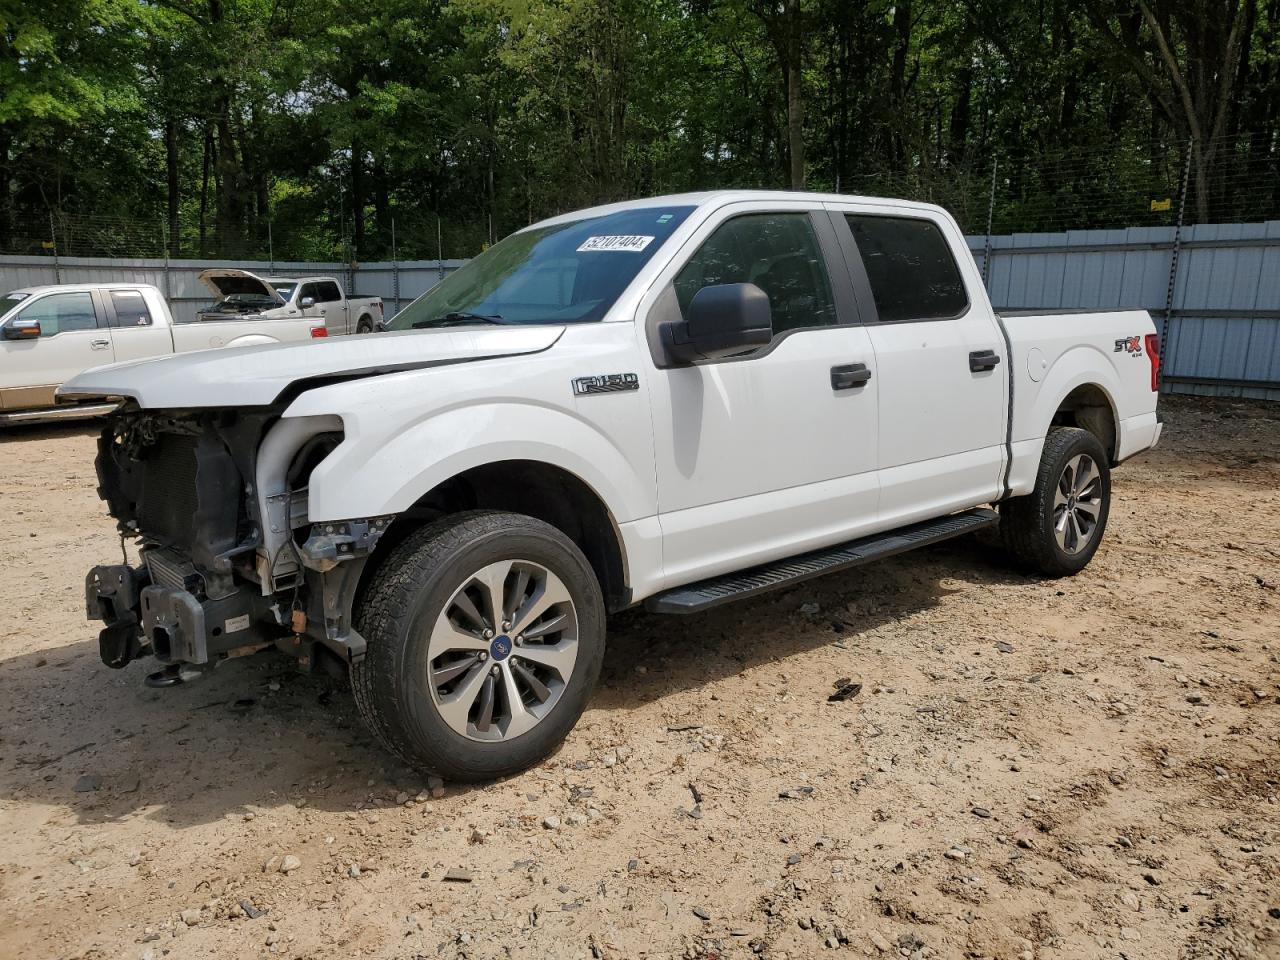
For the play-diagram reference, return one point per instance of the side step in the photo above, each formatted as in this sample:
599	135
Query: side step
706	594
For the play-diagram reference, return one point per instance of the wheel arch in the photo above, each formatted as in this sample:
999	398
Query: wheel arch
1089	406
534	488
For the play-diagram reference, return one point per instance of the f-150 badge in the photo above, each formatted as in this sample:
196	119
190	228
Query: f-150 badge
605	383
1130	345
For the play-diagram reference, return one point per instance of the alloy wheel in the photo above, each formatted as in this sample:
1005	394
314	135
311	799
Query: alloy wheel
502	650
1077	503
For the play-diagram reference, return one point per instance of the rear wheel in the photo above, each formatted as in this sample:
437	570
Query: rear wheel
1057	528
485	637
364	326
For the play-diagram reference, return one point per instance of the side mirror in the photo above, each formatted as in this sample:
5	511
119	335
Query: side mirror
724	320
22	330
306	302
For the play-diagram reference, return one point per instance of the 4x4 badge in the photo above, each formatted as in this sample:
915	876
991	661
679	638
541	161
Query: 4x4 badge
605	383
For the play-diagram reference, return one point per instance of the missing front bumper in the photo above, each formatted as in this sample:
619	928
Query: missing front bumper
169	623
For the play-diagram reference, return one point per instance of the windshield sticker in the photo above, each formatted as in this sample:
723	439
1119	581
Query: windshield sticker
631	244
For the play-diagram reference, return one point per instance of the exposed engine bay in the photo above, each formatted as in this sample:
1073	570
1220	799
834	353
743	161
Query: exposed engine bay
216	502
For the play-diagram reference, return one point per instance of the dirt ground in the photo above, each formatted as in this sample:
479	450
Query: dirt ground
1033	769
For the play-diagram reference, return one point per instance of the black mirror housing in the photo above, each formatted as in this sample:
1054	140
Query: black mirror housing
22	330
723	320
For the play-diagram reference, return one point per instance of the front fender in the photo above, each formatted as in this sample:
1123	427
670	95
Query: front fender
374	472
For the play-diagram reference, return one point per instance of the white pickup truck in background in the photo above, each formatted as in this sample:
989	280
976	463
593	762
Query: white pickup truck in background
49	334
678	402
245	295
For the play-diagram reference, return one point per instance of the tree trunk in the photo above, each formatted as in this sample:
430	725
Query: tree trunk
171	176
230	193
204	190
898	80
795	95
6	214
357	197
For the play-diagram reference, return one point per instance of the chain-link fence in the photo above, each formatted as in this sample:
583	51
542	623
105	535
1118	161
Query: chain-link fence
1130	184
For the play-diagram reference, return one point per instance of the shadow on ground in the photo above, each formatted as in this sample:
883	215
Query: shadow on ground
254	734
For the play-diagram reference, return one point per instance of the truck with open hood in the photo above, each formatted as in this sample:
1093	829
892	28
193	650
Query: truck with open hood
246	296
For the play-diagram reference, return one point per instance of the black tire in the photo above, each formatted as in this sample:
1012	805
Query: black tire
1027	524
364	326
408	592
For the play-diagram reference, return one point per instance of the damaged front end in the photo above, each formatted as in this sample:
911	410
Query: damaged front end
230	564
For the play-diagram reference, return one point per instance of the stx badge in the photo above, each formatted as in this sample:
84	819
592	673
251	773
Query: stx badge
605	383
1129	345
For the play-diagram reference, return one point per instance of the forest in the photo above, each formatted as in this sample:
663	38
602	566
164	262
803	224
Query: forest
366	129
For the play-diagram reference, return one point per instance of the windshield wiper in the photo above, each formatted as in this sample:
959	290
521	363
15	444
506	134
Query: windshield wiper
458	319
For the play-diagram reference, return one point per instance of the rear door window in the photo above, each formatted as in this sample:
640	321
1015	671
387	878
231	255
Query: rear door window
909	264
327	292
130	308
779	253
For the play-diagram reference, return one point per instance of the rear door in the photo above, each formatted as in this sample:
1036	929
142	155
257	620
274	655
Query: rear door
940	357
74	336
333	307
135	334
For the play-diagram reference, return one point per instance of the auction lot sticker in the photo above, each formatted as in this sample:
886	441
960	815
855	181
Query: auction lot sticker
633	244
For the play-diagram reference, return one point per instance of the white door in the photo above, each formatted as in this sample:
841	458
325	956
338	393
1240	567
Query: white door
311	291
134	332
72	338
336	317
765	455
941	363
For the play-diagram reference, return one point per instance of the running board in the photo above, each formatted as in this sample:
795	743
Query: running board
705	594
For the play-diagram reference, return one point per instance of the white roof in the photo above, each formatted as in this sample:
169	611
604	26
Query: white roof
80	287
718	198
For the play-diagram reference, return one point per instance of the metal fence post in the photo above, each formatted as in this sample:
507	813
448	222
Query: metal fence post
439	248
991	211
164	235
1173	259
53	236
395	268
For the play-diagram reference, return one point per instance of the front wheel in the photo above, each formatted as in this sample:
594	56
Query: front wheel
485	636
1056	529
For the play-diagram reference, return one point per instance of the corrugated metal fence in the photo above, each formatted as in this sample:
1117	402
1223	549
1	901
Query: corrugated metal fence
396	283
1214	289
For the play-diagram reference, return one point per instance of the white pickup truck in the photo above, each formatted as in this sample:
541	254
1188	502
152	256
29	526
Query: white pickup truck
244	295
674	402
49	334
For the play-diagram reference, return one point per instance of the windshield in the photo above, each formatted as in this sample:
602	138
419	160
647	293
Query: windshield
285	289
567	273
10	301
248	298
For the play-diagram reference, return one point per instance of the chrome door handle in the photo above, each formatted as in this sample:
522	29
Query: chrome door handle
99	344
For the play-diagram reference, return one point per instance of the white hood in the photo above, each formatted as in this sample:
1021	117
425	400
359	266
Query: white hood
224	282
256	375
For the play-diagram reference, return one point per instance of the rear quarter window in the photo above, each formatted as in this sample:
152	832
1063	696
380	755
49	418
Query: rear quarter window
909	263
